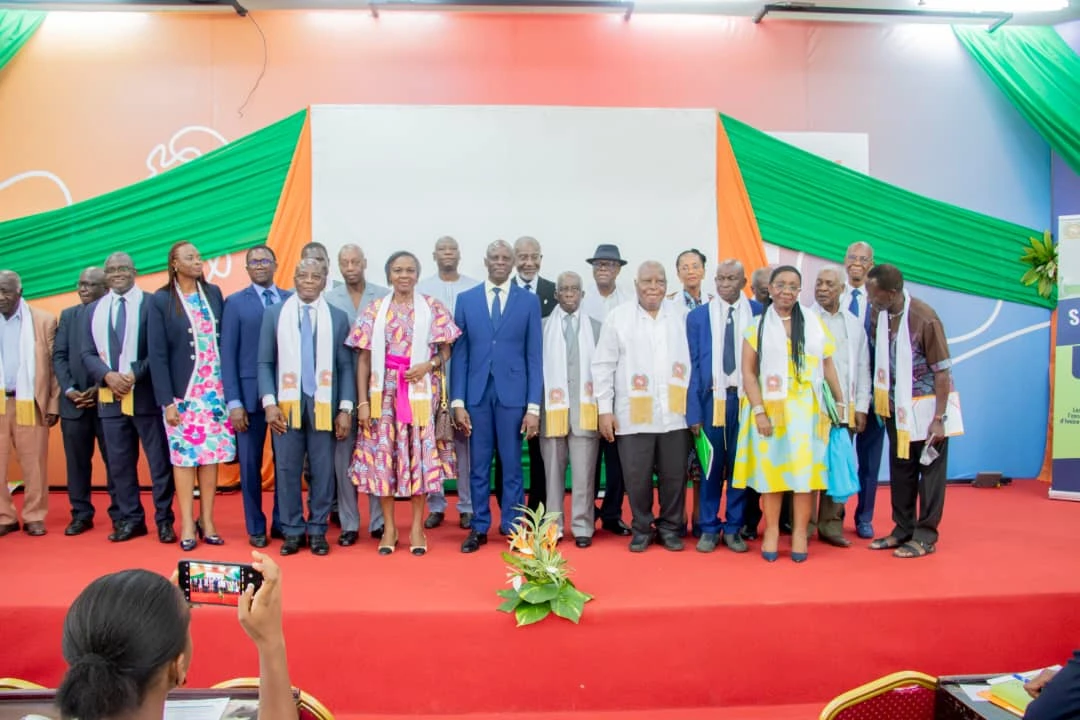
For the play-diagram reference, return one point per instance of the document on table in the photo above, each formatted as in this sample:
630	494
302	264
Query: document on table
206	709
972	691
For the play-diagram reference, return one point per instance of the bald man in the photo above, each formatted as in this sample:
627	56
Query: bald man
641	371
80	425
351	298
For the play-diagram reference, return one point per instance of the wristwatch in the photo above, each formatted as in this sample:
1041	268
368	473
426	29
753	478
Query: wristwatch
942	417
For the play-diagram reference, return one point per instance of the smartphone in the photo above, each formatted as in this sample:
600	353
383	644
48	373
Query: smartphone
216	583
929	453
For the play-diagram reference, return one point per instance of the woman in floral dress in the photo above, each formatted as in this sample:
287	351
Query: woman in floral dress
185	367
404	342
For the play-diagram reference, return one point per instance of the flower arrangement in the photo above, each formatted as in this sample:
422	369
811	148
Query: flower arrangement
538	575
1042	256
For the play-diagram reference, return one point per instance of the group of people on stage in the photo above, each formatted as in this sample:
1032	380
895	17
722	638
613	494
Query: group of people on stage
391	391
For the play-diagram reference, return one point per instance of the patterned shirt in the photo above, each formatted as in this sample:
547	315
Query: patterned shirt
929	349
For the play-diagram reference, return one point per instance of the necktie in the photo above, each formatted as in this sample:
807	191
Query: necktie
571	335
854	306
119	329
528	286
268	298
307	353
729	342
496	307
573	361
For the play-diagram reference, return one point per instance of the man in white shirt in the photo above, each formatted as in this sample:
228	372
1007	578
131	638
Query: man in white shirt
852	360
869	443
352	298
641	371
445	285
599	300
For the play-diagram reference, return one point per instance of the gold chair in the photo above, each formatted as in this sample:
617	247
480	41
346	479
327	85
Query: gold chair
906	695
17	684
309	706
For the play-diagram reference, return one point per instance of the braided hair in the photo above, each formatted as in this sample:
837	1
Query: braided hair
798	325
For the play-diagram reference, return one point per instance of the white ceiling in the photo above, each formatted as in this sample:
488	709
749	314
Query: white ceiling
748	8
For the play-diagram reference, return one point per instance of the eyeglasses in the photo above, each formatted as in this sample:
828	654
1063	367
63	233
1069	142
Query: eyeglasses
785	287
861	259
119	270
265	262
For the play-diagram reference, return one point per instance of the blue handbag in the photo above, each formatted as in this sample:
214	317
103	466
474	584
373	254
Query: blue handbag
843	476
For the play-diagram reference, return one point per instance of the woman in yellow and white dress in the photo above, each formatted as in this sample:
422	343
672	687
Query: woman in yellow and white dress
783	430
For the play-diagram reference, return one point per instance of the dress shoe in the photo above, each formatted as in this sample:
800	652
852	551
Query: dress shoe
291	546
318	544
214	539
165	533
473	542
276	534
748	533
465	521
618	527
9	528
708	542
377	533
835	540
799	557
257	541
34	529
735	543
128	531
583	542
188	544
865	531
671	542
769	556
78	526
347	538
434	520
641	543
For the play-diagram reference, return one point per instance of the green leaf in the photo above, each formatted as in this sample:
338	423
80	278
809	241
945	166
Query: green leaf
507	593
582	597
533	593
510	604
568	606
529	614
1030	277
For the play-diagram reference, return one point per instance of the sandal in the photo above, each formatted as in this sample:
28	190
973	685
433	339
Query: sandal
914	549
889	542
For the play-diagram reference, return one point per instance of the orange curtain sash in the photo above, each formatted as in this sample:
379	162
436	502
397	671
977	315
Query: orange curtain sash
737	232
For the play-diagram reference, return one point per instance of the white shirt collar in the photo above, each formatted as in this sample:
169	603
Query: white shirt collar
505	287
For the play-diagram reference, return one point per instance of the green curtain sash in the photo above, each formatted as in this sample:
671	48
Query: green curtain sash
807	203
16	27
222	202
1040	74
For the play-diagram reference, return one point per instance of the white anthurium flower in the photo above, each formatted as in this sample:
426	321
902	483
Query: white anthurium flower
516	582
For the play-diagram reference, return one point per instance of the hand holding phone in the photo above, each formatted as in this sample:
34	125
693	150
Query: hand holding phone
929	452
216	583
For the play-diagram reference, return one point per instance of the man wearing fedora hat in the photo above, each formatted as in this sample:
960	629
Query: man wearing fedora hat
606	294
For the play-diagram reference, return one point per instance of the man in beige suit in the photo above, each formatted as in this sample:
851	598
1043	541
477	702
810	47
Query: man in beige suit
29	403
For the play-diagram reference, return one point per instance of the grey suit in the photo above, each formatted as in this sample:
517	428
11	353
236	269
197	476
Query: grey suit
579	449
347	505
318	445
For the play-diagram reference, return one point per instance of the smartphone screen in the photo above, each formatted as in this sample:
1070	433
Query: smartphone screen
216	583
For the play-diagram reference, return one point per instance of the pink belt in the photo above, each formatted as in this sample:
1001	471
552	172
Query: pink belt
402	408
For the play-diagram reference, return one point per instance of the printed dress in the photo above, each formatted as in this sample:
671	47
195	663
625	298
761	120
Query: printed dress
204	435
392	458
793	458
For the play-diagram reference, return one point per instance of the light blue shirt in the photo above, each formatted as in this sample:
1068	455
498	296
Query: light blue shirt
339	297
10	343
274	292
445	291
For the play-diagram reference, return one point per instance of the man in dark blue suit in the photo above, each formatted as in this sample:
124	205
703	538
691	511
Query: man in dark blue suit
79	422
306	372
241	324
496	380
714	332
116	359
870	443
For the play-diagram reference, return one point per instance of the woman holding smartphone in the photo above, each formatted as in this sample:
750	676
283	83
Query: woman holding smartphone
184	331
127	642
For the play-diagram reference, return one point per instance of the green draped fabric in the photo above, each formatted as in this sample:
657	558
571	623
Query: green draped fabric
1040	74
223	202
16	27
813	205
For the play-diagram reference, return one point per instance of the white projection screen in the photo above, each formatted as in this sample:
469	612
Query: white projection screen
399	177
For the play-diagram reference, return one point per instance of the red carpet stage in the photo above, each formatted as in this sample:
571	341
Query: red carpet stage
406	635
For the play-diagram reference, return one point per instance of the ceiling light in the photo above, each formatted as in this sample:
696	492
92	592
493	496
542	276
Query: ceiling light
1016	6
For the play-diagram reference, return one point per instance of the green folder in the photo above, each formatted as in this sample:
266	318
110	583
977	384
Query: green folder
1013	693
704	450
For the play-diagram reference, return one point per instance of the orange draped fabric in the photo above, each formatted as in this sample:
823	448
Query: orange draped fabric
737	232
289	232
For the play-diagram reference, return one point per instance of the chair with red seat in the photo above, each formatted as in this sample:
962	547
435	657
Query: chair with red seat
17	684
309	706
906	695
